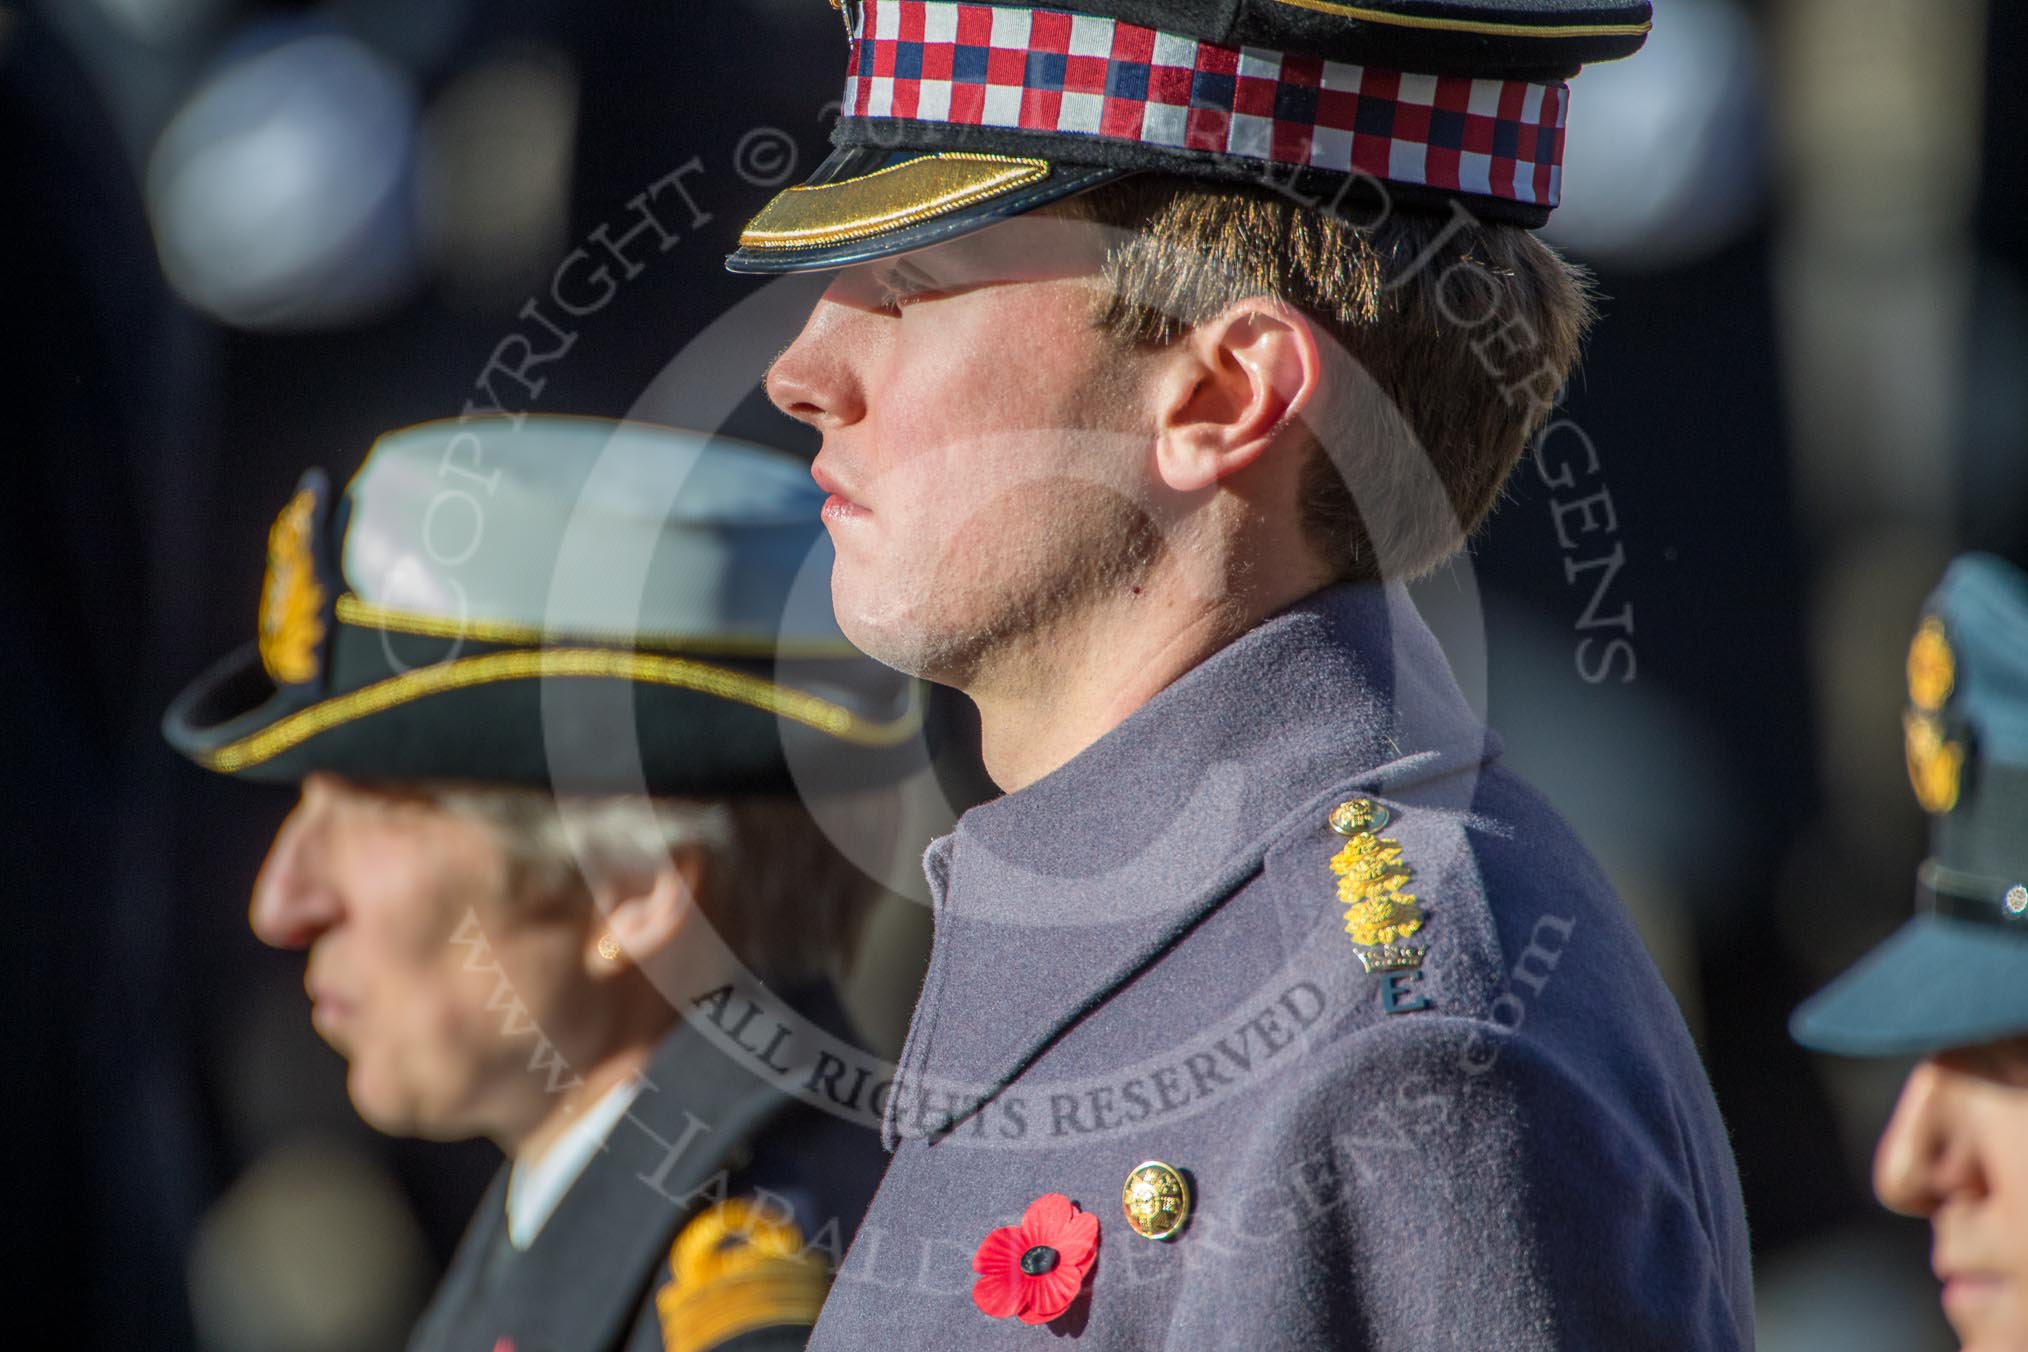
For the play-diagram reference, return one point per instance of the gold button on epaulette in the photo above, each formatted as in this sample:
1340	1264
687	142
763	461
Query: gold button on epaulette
1356	816
1156	1199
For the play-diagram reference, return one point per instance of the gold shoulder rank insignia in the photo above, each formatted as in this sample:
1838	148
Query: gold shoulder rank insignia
1380	914
292	604
736	1267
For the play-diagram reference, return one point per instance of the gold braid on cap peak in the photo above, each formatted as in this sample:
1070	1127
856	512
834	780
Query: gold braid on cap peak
736	1267
810	215
486	668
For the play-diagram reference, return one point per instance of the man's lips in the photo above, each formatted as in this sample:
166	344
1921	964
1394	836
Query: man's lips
841	505
838	508
328	1007
1967	1289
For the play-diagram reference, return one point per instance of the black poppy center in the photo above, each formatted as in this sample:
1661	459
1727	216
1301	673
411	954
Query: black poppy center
1039	1260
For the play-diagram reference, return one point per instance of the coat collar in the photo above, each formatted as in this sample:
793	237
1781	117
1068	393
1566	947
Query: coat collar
1049	899
581	1283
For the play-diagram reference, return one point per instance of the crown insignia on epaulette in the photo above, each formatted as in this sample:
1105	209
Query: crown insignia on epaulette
1390	957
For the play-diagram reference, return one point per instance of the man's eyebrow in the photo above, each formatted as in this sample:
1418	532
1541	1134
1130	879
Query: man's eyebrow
2005	1060
891	276
908	267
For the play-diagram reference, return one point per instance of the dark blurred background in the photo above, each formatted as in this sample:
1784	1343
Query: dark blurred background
245	238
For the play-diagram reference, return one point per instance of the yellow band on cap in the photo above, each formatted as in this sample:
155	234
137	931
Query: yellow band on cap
810	216
797	706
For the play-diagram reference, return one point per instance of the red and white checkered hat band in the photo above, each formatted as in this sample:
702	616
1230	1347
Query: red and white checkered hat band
1049	71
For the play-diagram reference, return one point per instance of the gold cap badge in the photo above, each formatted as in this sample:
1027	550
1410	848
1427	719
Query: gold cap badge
1156	1199
1932	668
1934	761
292	604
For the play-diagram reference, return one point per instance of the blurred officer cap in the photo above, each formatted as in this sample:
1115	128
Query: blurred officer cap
1957	974
576	604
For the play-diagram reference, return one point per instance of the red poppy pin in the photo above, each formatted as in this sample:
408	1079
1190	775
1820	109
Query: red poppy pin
1035	1269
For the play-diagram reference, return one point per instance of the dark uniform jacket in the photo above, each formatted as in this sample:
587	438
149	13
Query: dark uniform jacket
1160	952
709	1149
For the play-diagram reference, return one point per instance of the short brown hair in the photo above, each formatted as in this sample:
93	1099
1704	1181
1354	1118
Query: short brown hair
1461	334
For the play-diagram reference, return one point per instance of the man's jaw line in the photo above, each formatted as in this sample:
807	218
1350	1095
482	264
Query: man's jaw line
1063	675
1089	673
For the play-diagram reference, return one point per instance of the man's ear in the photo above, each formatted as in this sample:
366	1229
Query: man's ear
640	913
1239	381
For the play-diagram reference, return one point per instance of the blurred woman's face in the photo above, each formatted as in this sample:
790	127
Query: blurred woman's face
424	972
1956	1153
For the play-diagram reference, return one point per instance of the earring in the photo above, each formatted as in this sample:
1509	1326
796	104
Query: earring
609	947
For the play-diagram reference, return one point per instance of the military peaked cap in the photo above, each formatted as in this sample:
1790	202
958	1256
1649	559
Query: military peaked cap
567	603
1957	974
955	115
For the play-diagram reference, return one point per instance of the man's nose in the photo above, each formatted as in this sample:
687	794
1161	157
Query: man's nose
294	898
816	379
1921	1159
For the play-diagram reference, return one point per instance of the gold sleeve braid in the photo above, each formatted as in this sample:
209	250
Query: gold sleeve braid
734	1268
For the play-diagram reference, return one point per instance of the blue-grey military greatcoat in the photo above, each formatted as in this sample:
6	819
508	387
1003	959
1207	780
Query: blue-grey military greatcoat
1291	931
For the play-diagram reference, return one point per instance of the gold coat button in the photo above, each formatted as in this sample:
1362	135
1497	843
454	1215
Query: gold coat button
1156	1200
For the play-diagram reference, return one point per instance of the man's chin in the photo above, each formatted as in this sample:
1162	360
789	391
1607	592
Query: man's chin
1990	1336
396	1114
1989	1320
890	635
923	654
